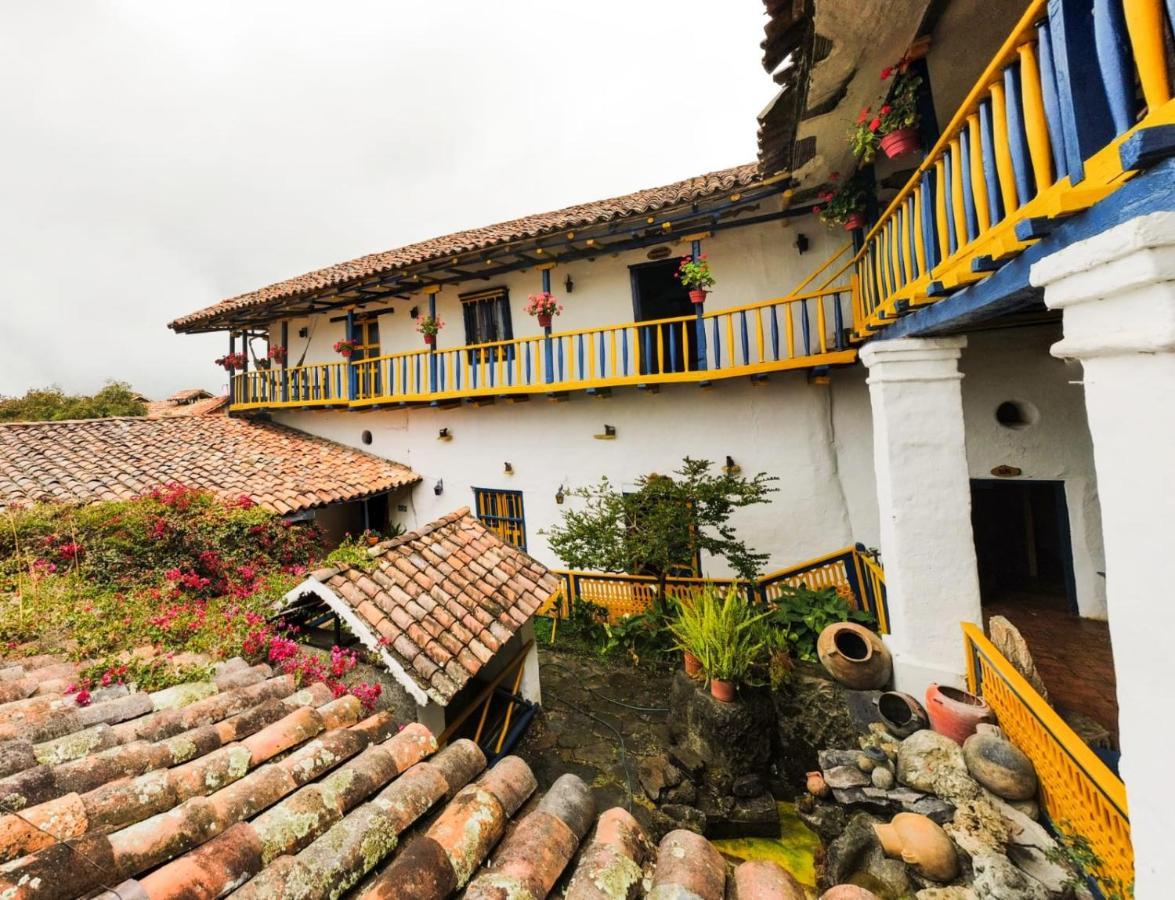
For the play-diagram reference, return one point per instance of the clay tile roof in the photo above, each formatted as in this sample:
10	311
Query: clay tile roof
244	785
582	215
197	406
439	601
187	395
92	460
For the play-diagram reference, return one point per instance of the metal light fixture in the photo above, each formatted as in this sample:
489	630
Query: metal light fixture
443	435
509	469
568	284
439	487
802	244
559	496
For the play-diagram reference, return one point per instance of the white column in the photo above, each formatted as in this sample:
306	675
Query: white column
924	500
1117	293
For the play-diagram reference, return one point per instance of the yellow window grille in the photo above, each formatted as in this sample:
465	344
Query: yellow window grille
502	512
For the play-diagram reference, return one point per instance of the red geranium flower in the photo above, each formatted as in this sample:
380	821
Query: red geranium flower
885	110
875	124
886	72
863	116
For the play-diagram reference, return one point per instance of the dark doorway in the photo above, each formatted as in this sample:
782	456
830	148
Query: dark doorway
1022	543
658	294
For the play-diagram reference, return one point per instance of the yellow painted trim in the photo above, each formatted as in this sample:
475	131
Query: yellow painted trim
1035	125
431	289
978	182
1144	22
1003	152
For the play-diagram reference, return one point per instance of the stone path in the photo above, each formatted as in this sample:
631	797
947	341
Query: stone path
574	732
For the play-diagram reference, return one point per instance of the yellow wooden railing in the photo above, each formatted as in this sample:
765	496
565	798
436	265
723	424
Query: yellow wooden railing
1077	789
1016	153
849	571
805	330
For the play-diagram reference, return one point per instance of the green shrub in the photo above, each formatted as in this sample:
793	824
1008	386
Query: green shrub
52	404
722	629
799	614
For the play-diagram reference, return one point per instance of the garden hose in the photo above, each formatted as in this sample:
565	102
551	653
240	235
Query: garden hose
619	737
648	709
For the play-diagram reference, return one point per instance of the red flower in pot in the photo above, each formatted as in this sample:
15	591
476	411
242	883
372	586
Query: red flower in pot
346	347
544	307
428	326
695	274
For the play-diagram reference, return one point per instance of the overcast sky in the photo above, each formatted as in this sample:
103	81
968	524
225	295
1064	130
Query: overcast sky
156	156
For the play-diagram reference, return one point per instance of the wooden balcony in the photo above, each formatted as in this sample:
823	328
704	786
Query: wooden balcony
805	331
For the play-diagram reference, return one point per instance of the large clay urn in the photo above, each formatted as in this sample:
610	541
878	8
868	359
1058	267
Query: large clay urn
901	714
999	765
955	713
854	656
921	843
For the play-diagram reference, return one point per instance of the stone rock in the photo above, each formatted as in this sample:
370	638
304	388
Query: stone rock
932	807
857	856
672	816
1000	766
747	786
826	819
811	713
879	740
829	759
731	739
727	817
996	878
953	892
931	762
882	778
978	827
1029	808
865	763
689	761
686	792
1011	644
842	777
656	775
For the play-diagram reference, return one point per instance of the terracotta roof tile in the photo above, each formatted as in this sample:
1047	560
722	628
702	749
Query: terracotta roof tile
120	458
585	214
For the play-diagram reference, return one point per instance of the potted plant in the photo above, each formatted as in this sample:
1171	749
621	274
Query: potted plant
277	354
688	630
543	306
843	204
429	326
346	347
721	629
232	361
695	274
262	363
893	127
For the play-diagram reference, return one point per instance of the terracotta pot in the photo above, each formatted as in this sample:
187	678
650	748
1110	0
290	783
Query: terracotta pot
345	354
999	765
900	142
698	296
854	221
921	843
693	665
816	785
372	540
954	713
544	321
722	690
854	656
430	339
901	714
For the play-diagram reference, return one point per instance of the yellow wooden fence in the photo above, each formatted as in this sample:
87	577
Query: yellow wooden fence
1079	792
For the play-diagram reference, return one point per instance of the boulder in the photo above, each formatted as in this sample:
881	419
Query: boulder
826	819
811	713
931	762
731	739
999	765
1011	644
657	775
730	817
997	879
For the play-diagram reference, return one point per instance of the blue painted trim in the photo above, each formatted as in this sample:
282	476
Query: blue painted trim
1052	102
929	236
1147	147
1113	53
948	188
1008	289
1017	139
991	175
970	219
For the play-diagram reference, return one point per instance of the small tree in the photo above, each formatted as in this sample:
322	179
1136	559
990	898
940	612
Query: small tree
52	404
661	526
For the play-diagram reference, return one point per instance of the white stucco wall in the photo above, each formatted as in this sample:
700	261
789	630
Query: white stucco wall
751	264
1014	364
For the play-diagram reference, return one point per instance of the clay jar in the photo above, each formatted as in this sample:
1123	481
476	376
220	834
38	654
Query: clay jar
954	713
816	784
901	714
999	765
854	656
920	843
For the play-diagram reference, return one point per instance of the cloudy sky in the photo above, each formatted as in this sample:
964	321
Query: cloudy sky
157	156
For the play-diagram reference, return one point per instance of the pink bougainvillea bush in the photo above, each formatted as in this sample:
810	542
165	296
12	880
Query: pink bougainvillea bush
172	573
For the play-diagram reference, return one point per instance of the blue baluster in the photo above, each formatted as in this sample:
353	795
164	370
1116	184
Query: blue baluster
775	333
929	234
1052	103
673	349
970	219
1085	114
948	191
526	353
562	375
648	342
1113	53
717	342
991	175
603	369
838	319
579	355
805	328
624	351
1017	140
746	338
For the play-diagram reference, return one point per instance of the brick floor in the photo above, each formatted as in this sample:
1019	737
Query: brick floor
1073	656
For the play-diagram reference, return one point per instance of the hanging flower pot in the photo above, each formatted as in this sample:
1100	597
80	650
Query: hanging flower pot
346	347
428	326
544	320
722	691
698	297
854	221
900	142
693	665
430	339
544	307
695	275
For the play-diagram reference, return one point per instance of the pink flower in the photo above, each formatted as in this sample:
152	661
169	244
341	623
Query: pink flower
83	698
875	124
886	72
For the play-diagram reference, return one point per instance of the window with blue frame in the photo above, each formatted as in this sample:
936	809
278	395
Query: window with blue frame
487	320
502	513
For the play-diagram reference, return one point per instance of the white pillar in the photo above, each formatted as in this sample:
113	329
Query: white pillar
924	500
1117	293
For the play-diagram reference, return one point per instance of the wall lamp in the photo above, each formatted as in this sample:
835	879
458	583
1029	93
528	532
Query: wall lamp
802	244
444	435
568	284
731	468
509	469
439	487
559	496
608	435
